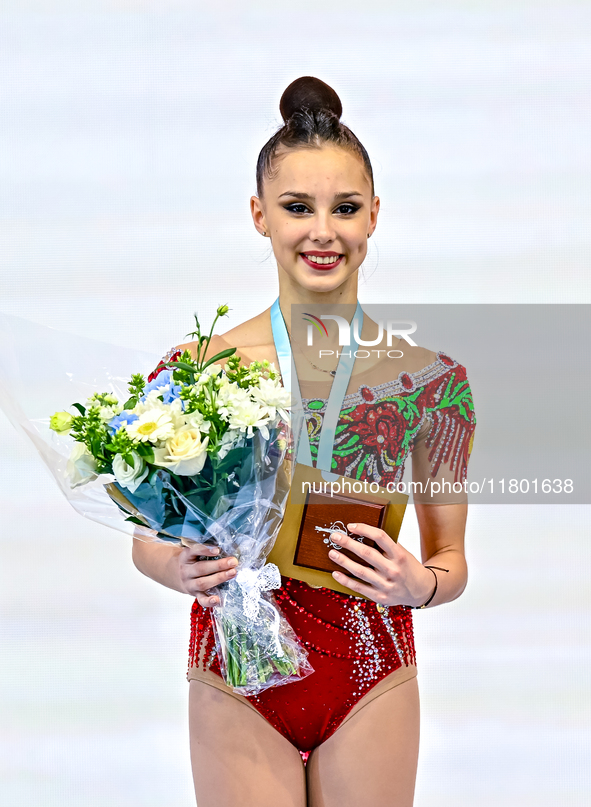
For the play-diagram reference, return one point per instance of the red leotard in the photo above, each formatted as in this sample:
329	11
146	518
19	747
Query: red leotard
427	411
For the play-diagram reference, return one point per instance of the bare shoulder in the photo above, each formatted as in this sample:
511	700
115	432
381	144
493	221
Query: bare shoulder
252	339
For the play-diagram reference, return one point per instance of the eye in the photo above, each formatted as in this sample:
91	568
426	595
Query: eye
347	209
297	207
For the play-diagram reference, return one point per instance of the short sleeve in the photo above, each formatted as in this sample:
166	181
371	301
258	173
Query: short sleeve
443	443
173	355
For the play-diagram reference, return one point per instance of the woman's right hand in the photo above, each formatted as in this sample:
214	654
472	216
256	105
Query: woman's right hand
198	576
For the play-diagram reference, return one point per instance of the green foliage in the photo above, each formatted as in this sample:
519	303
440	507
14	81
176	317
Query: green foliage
90	430
136	390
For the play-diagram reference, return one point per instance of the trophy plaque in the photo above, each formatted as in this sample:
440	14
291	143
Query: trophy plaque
315	510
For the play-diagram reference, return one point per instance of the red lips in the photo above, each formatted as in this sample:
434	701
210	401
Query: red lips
318	254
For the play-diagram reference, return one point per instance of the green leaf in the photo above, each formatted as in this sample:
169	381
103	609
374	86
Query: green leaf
129	404
223	355
146	451
180	365
80	408
135	520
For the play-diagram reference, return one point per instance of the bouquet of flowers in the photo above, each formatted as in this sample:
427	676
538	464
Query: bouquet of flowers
196	454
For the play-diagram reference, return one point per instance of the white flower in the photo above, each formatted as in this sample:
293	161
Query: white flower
130	476
272	395
232	397
185	453
106	413
213	369
153	403
105	404
228	390
81	466
248	415
196	420
152	425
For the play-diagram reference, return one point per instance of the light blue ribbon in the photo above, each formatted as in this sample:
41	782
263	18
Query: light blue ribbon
337	391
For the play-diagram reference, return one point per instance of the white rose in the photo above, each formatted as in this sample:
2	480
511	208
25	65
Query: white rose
184	454
81	466
153	425
130	476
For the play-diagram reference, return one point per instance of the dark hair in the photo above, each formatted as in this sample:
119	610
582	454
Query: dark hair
312	111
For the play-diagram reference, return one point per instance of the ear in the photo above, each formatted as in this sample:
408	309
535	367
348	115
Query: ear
258	215
373	215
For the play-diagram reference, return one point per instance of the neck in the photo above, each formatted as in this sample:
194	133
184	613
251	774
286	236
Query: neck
291	293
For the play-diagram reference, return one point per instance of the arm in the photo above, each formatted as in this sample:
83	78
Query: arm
442	528
180	569
160	562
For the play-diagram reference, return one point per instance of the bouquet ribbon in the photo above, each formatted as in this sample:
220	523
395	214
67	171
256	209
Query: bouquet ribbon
252	583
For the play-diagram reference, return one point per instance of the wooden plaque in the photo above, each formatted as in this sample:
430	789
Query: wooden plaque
324	514
300	553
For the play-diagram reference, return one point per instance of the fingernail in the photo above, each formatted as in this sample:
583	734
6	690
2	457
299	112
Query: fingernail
351	526
336	537
332	554
232	562
213	601
215	550
231	573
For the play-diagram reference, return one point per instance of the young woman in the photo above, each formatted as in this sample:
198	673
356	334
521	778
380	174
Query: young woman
349	733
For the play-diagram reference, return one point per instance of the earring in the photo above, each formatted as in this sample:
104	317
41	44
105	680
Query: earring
369	235
264	232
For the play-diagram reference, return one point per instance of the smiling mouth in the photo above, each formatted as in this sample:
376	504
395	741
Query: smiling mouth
321	261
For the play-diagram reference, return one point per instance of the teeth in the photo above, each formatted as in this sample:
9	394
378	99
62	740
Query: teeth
319	259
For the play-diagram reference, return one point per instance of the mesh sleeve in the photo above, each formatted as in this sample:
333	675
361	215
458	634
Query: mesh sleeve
443	444
173	355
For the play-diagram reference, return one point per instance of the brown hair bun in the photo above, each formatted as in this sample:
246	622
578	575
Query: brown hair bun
310	93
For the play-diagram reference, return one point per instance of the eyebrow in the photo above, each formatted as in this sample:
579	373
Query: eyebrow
299	195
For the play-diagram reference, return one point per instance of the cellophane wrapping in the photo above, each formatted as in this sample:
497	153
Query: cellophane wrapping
236	502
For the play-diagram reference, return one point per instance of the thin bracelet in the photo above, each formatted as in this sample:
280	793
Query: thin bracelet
425	604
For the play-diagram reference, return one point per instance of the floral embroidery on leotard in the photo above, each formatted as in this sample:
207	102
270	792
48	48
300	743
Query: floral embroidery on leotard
378	425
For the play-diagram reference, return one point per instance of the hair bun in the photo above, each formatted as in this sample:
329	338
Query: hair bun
308	92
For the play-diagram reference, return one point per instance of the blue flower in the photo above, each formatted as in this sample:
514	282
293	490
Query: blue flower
163	379
121	420
171	394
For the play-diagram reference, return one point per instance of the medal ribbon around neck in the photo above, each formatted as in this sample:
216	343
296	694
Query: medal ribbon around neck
338	389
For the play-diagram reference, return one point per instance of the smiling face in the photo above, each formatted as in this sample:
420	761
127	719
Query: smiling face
318	210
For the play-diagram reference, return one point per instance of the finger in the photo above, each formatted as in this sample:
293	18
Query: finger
368	553
357	586
381	538
206	582
203	568
364	572
190	553
206	600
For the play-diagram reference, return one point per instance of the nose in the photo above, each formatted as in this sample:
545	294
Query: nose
321	228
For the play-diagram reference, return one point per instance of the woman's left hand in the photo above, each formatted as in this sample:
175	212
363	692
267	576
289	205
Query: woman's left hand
394	576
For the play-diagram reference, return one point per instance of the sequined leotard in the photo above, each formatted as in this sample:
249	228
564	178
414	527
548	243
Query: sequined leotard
356	646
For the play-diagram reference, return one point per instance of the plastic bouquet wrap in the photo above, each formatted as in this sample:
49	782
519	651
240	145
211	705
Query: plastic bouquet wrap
194	453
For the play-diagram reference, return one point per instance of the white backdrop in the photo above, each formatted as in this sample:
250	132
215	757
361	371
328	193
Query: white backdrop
128	137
